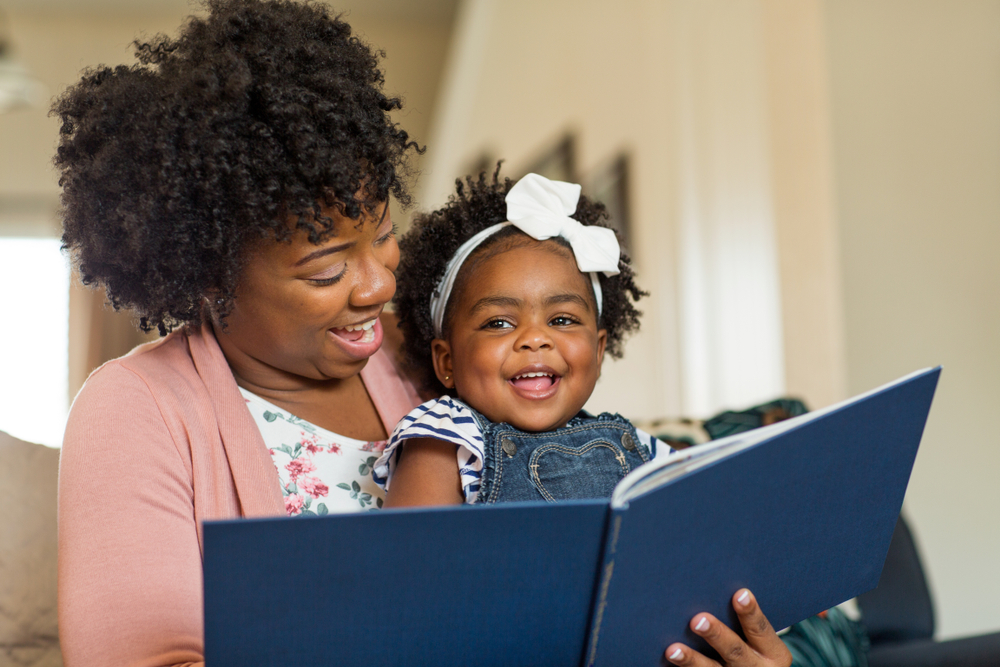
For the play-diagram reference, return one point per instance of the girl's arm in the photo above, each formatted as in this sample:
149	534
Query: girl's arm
426	474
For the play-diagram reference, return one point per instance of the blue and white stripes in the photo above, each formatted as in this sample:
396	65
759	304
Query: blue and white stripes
449	419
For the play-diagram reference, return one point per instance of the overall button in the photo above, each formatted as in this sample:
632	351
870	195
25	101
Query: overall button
508	446
628	442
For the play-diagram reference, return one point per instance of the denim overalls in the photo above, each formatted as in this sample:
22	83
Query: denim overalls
584	459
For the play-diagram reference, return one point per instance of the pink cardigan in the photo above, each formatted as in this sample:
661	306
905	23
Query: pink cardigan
157	442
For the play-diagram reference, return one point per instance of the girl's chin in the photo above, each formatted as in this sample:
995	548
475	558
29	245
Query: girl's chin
358	346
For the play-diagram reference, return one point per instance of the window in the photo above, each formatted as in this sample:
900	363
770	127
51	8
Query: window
34	339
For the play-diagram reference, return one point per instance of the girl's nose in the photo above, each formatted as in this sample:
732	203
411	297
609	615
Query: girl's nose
534	337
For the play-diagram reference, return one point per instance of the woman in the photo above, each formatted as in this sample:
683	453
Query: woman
231	190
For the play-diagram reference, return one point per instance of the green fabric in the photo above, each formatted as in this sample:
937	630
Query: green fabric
834	641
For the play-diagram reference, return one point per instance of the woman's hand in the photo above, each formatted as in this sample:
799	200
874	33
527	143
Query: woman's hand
762	648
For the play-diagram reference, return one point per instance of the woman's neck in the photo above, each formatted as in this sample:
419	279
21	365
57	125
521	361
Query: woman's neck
340	405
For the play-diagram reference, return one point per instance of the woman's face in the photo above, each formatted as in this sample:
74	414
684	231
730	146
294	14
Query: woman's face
311	311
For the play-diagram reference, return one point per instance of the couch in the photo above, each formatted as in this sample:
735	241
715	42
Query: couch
29	635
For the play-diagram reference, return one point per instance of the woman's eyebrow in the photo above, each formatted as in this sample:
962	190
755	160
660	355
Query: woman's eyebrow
323	252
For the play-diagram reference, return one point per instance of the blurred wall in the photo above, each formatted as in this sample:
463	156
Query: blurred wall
916	117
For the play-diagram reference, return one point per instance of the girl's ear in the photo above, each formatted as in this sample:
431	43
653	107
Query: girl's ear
441	355
602	341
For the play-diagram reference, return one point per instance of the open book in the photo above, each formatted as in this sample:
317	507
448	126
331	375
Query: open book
801	512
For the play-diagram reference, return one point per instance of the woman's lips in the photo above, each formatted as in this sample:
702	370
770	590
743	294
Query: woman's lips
360	341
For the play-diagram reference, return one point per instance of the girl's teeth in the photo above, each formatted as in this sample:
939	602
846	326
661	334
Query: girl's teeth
533	375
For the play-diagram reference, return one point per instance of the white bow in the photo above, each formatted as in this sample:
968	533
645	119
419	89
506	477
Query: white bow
540	208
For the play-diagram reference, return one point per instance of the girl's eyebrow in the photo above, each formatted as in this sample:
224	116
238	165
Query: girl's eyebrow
487	301
569	297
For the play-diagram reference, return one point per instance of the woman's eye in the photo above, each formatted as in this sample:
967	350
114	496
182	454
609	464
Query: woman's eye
391	234
323	282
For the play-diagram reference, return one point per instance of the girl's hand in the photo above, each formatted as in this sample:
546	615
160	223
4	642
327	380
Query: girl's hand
762	648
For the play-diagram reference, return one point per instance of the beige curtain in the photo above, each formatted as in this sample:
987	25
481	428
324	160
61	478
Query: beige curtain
97	333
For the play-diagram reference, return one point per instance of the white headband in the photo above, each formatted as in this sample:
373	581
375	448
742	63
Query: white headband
540	208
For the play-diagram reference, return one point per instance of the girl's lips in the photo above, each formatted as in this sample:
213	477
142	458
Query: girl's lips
358	344
535	389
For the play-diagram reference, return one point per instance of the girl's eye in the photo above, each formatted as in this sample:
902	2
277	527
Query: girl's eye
562	321
323	282
498	324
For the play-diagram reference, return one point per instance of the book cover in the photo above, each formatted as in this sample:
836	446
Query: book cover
801	513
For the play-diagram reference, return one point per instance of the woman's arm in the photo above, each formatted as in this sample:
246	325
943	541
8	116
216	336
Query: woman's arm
762	648
426	474
129	559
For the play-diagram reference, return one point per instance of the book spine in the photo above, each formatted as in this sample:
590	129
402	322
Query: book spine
607	572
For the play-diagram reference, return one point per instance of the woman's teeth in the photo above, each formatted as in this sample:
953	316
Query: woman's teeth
357	333
358	327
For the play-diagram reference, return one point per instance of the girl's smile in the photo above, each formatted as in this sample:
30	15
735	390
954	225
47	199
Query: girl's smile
523	345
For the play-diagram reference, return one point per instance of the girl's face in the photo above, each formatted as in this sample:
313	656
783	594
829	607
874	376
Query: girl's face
305	311
524	347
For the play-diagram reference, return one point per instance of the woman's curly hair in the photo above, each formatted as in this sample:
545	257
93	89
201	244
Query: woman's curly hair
256	114
427	247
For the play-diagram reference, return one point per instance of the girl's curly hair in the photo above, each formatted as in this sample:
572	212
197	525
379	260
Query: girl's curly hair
432	241
253	116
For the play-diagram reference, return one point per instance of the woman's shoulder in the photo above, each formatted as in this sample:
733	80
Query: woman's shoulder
173	360
152	376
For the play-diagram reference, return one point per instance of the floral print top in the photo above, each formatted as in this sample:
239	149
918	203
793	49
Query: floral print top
321	472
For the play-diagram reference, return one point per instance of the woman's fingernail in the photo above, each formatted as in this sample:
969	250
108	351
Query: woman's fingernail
744	598
702	624
677	654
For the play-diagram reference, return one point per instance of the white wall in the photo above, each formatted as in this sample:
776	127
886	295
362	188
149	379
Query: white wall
916	111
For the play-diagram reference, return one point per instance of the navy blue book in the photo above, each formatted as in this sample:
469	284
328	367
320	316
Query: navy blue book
801	512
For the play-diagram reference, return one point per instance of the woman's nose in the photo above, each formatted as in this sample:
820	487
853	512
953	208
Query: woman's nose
375	283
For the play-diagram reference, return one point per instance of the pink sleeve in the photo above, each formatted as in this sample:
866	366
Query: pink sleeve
129	558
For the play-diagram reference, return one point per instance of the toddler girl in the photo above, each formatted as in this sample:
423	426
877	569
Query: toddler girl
508	298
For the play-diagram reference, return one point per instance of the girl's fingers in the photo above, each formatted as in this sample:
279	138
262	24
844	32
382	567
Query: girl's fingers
757	629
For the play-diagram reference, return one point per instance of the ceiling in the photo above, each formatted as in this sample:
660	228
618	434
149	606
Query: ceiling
387	9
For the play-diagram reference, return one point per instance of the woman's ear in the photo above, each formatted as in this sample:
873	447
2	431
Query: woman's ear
441	354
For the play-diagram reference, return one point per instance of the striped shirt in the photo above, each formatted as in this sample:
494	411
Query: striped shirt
451	420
